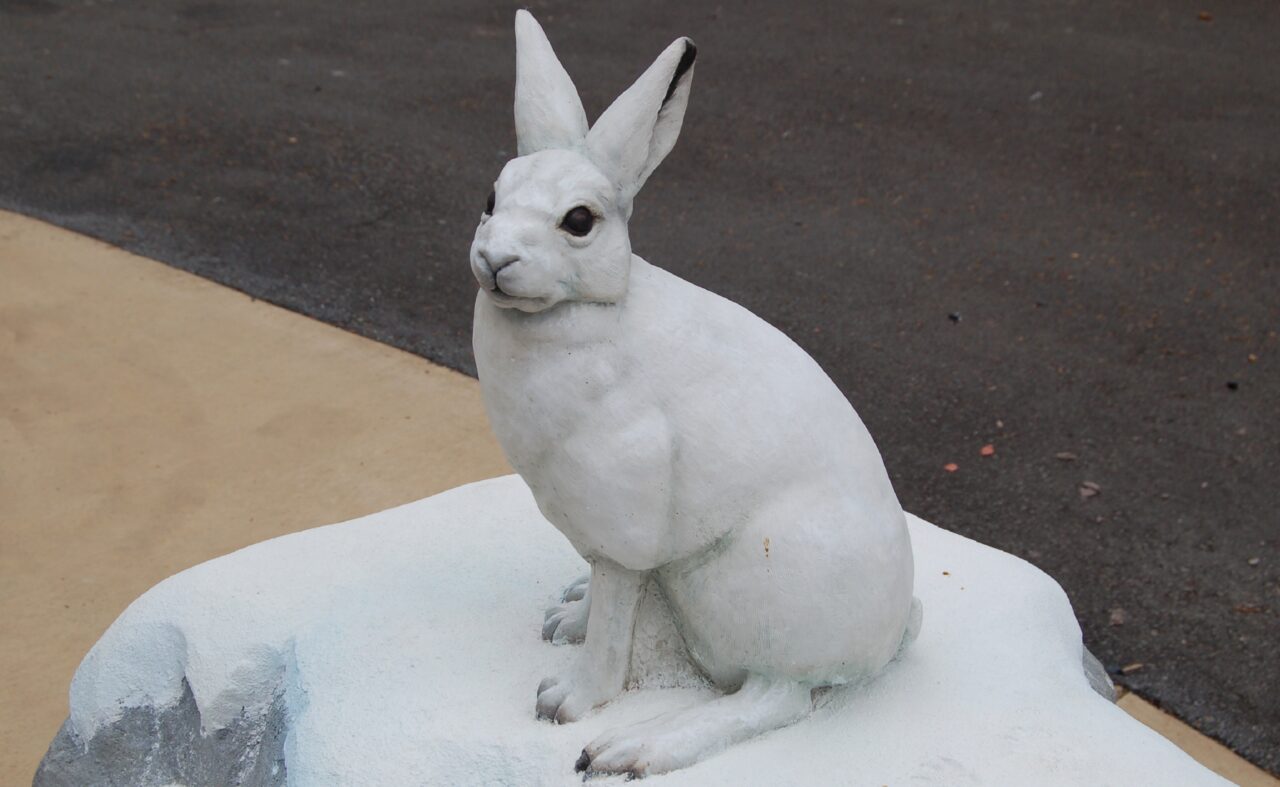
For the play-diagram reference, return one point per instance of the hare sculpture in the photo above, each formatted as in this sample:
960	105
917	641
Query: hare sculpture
672	436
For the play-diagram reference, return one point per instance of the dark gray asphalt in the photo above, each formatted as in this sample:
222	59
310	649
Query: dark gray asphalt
1093	188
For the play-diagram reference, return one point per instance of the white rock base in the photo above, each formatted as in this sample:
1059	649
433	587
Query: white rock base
404	648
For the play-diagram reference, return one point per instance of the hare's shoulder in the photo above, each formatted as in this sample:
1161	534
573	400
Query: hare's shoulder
725	376
678	324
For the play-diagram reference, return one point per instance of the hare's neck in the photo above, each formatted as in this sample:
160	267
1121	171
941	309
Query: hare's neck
567	325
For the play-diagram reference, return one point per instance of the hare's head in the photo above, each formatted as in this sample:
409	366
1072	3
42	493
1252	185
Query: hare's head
555	226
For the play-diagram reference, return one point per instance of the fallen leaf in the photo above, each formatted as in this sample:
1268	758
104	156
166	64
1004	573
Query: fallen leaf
1066	456
1249	609
1118	617
1089	489
1205	16
988	450
951	467
1129	668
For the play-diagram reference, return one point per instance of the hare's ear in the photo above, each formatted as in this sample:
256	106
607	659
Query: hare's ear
548	111
637	132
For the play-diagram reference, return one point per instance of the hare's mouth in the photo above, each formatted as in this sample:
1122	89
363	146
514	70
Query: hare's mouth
493	288
496	292
522	303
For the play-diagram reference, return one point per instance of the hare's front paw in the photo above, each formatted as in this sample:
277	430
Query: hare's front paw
571	695
566	622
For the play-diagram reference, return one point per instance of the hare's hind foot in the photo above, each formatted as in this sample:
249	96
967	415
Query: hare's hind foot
915	619
681	738
566	623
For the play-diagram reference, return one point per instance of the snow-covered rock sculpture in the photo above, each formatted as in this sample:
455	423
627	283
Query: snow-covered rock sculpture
400	649
671	435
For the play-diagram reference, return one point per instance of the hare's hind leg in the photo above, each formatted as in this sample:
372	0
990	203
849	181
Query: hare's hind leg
566	622
681	738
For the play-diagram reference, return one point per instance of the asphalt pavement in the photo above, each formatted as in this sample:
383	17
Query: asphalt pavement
1048	228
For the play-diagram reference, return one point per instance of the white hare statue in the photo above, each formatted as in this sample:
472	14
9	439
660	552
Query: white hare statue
673	436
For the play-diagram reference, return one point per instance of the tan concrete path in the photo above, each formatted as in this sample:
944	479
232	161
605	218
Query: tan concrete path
150	420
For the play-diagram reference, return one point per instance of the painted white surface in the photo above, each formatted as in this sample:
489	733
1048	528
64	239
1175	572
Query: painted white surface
407	644
672	435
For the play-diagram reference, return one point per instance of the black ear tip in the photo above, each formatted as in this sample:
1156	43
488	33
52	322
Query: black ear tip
682	68
686	60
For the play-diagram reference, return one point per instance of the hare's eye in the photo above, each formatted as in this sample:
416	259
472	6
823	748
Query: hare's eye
578	221
488	206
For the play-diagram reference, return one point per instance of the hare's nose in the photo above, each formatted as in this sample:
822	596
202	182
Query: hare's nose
496	261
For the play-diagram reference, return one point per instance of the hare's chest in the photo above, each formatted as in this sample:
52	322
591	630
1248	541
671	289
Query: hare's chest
553	409
595	450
